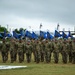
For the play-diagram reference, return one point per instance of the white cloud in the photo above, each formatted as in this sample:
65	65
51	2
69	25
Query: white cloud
25	13
14	22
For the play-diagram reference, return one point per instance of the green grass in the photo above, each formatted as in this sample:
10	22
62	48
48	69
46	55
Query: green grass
42	68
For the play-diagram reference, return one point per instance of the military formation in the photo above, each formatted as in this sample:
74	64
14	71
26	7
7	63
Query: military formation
39	50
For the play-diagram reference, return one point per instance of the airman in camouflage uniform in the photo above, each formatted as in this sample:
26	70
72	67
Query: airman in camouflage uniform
42	50
73	51
4	51
28	51
24	46
37	52
48	51
64	51
20	51
33	43
70	50
13	50
60	43
56	51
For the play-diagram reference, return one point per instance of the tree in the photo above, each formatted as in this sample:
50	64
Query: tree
2	29
17	31
22	29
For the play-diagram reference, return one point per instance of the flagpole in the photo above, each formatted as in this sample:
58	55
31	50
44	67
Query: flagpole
7	27
58	27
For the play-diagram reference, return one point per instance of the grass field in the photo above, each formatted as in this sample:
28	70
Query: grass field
42	68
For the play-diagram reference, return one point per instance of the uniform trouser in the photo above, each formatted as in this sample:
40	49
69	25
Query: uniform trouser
37	56
4	56
73	57
42	56
21	56
70	56
56	57
64	57
13	56
48	56
34	56
28	57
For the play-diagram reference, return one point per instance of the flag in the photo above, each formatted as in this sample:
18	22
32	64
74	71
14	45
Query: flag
57	34
28	34
16	35
9	35
43	34
64	35
22	33
34	36
49	36
69	34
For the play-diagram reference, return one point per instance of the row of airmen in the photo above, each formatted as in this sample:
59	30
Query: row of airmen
42	50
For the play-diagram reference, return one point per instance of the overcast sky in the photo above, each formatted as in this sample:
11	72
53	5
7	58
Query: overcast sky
30	13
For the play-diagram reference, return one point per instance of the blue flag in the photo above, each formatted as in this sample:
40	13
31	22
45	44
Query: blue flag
16	35
64	35
9	35
43	34
57	34
22	32
28	34
34	36
49	36
69	34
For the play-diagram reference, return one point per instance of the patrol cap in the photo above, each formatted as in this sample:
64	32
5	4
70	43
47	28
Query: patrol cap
64	41
28	41
20	39
37	40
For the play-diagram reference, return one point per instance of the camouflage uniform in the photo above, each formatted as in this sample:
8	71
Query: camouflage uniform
33	43
73	52
28	52
20	51
60	43
4	51
56	52
70	51
24	47
42	50
13	51
48	51
64	52
37	52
